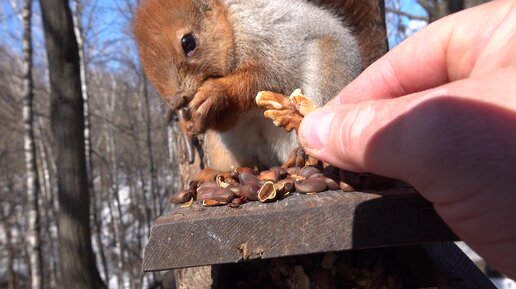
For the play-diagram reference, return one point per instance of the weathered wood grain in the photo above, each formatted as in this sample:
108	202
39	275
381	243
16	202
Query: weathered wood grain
299	224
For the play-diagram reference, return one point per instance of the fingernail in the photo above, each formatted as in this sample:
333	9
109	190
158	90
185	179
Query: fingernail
315	129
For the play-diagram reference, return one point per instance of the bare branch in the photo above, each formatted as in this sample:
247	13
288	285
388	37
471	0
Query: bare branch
406	14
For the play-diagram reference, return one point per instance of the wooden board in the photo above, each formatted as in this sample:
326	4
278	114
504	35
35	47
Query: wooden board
299	224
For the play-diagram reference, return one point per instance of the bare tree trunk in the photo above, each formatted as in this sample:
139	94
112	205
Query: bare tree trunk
11	275
439	8
455	6
48	203
471	3
97	223
77	260
152	170
115	206
34	230
173	134
78	29
435	8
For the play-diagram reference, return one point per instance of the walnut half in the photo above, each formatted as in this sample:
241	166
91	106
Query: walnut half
285	111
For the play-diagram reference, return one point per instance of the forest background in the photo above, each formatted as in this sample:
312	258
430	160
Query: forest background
130	149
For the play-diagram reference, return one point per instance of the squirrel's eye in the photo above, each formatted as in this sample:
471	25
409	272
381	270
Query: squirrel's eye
188	43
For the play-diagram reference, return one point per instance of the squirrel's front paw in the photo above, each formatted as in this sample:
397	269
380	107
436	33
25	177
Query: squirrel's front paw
204	107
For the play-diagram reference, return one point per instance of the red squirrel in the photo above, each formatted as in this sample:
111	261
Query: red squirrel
214	56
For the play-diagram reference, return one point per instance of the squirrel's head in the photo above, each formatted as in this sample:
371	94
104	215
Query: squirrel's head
182	43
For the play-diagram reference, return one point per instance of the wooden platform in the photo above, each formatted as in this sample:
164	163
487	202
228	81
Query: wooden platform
299	224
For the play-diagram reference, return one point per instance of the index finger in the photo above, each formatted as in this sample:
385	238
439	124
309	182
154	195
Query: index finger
421	62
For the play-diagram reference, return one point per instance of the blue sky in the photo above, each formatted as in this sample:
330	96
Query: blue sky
110	33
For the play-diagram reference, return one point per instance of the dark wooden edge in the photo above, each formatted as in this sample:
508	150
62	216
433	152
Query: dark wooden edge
461	272
299	224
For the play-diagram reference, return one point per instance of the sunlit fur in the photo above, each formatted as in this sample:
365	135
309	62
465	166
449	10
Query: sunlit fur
244	46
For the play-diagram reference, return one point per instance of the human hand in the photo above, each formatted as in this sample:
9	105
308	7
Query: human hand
439	111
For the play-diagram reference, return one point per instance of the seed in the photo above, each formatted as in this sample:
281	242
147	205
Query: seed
250	192
206	189
220	182
267	192
285	186
316	175
235	189
236	202
247	179
269	176
188	204
312	161
182	197
218	194
212	203
209	184
345	187
248	170
308	171
282	173
332	184
312	185
197	207
293	171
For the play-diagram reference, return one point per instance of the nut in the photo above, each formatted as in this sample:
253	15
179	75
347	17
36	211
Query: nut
345	187
284	111
197	207
303	104
271	100
267	192
220	182
218	194
249	170
188	204
331	183
212	203
316	175
235	189
206	188
182	197
285	187
248	179
294	171
312	185
282	173
269	175
307	172
250	192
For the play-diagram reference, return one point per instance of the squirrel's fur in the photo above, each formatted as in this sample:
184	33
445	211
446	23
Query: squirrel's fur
243	46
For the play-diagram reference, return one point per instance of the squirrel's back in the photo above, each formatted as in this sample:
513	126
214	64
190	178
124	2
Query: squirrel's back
293	40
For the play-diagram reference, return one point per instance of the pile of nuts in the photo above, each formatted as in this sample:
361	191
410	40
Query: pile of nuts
247	184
